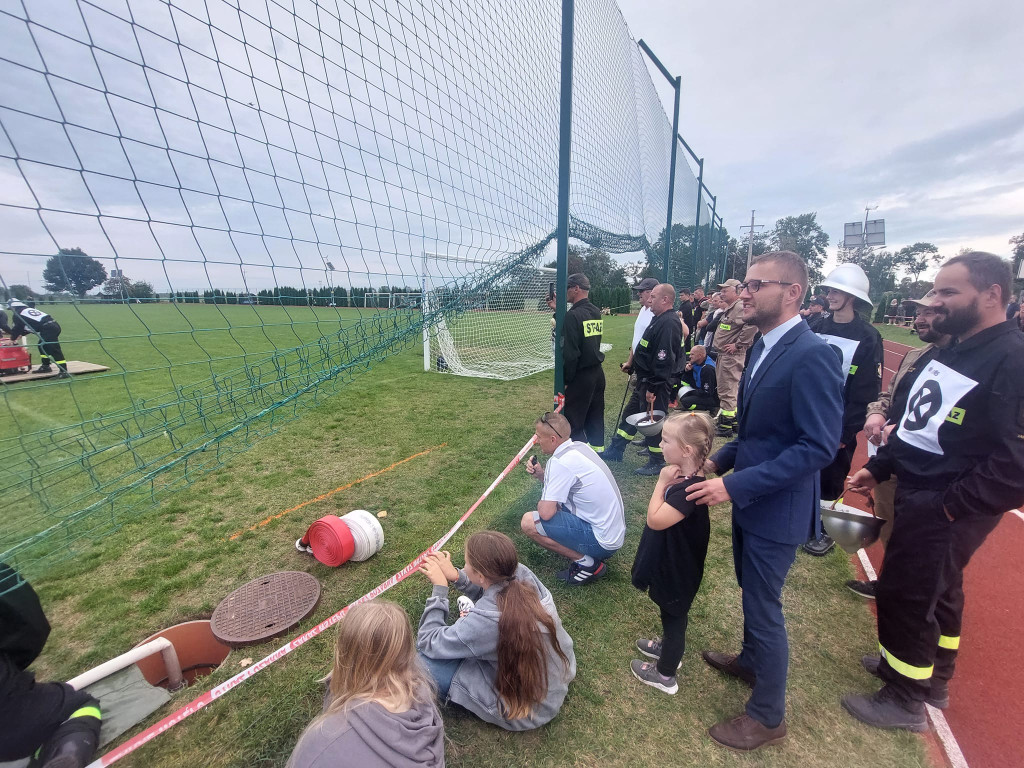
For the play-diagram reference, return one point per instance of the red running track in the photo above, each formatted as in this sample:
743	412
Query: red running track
986	707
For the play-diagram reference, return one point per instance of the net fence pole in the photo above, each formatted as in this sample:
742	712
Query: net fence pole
564	161
706	273
696	223
424	312
677	85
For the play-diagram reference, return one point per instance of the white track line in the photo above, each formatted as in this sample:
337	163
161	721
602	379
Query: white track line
1018	513
954	755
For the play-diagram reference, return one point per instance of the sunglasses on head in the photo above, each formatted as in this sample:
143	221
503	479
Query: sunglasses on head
549	425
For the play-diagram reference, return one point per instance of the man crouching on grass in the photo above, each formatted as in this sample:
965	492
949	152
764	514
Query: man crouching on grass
580	512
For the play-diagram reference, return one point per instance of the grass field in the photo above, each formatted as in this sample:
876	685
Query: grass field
176	562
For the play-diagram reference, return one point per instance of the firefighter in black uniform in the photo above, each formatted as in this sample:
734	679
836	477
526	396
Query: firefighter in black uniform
31	320
858	345
653	360
958	450
582	358
52	723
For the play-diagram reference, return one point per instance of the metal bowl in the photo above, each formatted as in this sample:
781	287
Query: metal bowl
851	528
647	430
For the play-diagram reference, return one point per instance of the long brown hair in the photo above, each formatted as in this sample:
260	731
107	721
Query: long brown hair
522	677
695	429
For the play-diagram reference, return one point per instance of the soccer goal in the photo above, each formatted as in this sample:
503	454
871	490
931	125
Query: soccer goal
501	327
376	300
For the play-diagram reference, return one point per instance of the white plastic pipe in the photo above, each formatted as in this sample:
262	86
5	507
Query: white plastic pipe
107	668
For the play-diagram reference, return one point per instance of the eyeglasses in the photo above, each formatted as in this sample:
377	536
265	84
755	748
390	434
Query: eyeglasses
549	425
755	285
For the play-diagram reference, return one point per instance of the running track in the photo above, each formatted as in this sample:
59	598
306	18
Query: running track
986	710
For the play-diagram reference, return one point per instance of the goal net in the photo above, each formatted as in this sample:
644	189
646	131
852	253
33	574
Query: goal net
503	330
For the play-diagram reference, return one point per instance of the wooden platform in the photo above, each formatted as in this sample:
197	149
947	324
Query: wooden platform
75	368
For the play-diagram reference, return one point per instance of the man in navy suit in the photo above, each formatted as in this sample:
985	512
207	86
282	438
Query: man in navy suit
788	430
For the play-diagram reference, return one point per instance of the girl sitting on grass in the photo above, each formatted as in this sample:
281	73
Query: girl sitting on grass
669	561
379	709
508	660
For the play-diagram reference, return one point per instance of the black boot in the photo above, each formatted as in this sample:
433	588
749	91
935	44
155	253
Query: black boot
71	746
614	451
726	426
653	465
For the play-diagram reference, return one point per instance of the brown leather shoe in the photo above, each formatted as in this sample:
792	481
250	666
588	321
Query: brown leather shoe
745	734
728	663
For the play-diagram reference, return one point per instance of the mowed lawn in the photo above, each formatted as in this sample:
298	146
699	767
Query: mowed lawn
175	562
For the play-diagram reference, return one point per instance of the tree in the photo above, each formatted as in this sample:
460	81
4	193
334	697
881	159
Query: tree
804	235
117	288
19	292
142	290
1017	241
917	258
599	267
73	270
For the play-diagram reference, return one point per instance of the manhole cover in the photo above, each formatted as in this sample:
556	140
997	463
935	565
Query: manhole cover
265	607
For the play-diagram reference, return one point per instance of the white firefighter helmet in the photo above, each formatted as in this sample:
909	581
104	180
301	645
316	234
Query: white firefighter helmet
849	278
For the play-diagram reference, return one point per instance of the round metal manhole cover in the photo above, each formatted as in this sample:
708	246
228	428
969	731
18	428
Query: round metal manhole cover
265	607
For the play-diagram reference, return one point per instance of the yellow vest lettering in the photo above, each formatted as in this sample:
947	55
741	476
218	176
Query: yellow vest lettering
593	327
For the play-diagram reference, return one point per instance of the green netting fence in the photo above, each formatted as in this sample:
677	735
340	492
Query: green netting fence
238	206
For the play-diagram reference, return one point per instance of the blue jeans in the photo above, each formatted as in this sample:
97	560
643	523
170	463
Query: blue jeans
572	532
443	671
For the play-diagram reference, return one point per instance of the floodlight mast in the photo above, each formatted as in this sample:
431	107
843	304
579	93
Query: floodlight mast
864	234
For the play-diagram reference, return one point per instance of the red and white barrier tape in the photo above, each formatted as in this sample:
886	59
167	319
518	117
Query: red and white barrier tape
215	693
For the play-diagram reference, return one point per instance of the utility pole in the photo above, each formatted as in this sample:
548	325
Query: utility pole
750	242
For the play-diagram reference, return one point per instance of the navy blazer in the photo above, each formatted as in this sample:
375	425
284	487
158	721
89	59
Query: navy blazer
790	419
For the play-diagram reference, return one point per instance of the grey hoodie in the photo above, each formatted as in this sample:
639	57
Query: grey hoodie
474	639
370	736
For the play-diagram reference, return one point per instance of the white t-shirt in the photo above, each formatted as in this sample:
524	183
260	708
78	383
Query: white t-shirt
642	321
576	477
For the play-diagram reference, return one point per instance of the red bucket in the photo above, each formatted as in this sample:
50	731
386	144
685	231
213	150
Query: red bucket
331	541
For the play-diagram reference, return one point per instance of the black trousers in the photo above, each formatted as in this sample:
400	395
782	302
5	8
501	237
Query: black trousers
697	400
673	642
32	712
833	477
637	403
584	406
49	347
920	593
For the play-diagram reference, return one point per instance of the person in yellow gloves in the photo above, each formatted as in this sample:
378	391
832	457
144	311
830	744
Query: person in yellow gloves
52	723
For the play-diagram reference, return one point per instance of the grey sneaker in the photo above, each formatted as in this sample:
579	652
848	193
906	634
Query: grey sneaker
652	649
885	709
647	673
938	695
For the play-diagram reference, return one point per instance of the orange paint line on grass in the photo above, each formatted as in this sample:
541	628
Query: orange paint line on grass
328	495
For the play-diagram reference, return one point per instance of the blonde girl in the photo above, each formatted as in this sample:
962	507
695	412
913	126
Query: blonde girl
669	562
380	708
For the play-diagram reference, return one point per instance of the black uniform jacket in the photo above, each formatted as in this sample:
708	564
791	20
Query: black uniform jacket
962	426
581	338
654	358
863	343
23	625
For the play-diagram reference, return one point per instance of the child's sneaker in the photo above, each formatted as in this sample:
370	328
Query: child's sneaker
465	605
647	673
652	649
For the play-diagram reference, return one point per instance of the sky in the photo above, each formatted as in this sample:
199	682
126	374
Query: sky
211	147
915	107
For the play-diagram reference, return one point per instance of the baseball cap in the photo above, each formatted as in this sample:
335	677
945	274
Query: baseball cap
819	301
732	282
579	280
927	300
647	284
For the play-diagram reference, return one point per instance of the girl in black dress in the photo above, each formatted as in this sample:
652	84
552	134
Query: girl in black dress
669	562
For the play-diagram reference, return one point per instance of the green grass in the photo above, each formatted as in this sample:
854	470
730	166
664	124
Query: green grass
899	333
175	563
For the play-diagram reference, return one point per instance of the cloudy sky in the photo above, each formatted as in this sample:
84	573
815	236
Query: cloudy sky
915	106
